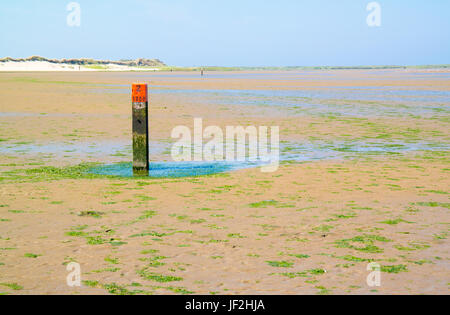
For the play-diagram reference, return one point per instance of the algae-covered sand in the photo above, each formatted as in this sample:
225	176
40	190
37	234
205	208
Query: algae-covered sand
364	178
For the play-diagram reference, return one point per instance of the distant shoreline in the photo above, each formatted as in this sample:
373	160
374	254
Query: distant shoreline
37	63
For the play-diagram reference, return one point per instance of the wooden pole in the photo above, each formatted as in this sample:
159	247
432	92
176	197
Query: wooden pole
140	130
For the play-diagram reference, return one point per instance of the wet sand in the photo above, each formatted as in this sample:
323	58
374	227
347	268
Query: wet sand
312	227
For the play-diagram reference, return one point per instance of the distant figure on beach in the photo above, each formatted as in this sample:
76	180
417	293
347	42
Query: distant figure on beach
202	72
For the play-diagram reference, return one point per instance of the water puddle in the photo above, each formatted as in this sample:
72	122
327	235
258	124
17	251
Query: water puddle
358	101
115	155
101	151
57	115
294	75
172	169
290	152
367	93
313	151
63	148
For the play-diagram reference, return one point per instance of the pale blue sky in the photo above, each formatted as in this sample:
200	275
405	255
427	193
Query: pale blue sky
231	32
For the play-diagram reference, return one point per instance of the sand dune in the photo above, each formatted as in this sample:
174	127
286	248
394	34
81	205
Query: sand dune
49	66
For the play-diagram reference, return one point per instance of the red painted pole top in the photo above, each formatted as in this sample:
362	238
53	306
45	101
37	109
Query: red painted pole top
139	92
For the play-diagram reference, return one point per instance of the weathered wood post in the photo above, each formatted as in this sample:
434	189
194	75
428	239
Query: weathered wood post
140	130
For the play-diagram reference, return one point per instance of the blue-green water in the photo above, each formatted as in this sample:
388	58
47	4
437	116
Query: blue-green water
170	169
110	152
294	152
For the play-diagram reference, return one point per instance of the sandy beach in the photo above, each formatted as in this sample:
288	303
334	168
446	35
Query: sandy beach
363	178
